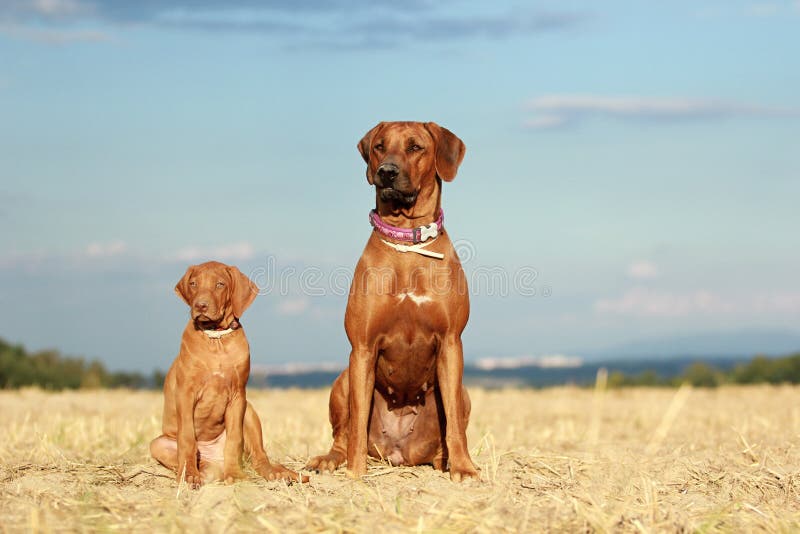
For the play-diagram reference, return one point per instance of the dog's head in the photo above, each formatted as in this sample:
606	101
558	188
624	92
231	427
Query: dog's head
407	160
217	294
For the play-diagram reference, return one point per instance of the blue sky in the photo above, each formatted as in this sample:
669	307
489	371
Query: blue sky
640	157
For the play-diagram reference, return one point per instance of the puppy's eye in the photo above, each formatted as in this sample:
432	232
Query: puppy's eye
192	283
379	147
414	148
220	285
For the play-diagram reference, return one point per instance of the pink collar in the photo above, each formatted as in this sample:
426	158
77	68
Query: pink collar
419	234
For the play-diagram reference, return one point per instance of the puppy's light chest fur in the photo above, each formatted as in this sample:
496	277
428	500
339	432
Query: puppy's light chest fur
222	362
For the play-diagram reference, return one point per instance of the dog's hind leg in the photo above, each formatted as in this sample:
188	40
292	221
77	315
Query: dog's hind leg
165	450
254	449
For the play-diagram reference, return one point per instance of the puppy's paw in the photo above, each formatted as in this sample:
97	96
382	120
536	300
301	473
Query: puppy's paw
279	472
233	474
192	478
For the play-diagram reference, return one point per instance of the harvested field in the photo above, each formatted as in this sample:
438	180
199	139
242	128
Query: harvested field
561	459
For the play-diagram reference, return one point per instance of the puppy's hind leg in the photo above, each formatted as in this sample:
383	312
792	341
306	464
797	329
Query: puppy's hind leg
254	449
165	450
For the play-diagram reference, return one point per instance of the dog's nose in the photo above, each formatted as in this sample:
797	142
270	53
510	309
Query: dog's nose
388	172
201	305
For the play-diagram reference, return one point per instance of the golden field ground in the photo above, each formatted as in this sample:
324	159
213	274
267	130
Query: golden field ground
561	459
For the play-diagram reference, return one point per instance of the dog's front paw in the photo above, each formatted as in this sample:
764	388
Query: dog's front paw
460	473
232	474
326	462
279	472
192	478
357	468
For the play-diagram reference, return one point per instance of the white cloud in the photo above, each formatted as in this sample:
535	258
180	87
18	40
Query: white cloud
643	270
772	9
557	110
44	9
546	121
56	7
641	301
23	259
549	361
293	306
106	250
50	21
764	9
785	303
55	37
231	252
648	302
760	9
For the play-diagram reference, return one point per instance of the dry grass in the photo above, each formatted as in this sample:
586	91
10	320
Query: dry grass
561	459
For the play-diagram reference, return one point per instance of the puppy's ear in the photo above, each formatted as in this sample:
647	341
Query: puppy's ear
182	288
449	151
365	147
243	291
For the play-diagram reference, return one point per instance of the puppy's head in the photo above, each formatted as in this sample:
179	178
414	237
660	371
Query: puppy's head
406	159
217	294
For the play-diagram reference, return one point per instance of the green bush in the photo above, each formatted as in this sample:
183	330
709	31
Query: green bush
759	370
48	369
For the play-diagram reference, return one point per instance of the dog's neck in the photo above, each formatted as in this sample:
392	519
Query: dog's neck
420	234
424	211
220	331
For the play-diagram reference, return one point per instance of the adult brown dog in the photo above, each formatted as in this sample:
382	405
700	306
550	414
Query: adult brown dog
208	422
402	398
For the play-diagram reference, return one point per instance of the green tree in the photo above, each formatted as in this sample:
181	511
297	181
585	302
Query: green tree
700	374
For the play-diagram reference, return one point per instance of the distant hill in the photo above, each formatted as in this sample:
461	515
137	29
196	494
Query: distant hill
708	345
524	375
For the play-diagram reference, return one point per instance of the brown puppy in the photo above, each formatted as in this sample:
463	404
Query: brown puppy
401	398
208	422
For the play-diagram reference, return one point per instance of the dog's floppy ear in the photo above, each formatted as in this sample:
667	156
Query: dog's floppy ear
449	151
182	288
243	291
365	147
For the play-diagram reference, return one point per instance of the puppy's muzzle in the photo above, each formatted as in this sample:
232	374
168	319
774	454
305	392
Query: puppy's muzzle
205	312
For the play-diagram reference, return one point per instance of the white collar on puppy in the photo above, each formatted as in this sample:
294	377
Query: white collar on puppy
216	334
219	332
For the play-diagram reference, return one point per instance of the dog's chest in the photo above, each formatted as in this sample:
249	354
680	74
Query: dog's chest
223	376
217	386
224	373
414	297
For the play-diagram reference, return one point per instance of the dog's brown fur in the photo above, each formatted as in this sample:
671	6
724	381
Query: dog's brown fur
402	398
208	422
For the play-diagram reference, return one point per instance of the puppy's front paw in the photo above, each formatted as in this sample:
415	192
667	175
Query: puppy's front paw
191	477
279	472
232	474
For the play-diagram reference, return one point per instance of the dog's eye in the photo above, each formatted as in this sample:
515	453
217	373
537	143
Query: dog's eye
220	285
379	147
192	283
414	148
